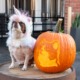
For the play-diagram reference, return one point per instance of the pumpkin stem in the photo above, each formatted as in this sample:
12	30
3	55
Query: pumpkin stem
58	25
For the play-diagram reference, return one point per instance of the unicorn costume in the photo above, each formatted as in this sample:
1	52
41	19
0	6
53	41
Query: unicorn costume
20	42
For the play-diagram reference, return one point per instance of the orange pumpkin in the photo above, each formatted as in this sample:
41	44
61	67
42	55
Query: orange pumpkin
54	52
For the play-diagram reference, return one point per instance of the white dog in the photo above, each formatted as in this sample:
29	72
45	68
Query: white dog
20	42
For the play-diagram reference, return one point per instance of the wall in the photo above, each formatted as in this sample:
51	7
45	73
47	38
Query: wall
2	6
75	4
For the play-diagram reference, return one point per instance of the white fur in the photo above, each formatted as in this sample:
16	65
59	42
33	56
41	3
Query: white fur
24	19
20	44
25	41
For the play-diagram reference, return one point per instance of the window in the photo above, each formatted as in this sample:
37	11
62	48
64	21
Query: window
20	4
53	8
49	7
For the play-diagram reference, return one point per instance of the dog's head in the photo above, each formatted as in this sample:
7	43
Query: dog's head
19	24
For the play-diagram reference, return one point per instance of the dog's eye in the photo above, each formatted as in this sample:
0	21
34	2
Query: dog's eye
14	23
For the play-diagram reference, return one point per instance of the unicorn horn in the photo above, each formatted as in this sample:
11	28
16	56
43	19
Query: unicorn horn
16	10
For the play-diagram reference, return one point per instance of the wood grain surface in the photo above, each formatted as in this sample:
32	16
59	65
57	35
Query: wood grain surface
33	73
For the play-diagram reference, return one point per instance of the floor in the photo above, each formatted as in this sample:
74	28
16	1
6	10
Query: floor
4	57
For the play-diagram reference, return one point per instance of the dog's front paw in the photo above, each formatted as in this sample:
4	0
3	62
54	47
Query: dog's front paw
24	68
11	66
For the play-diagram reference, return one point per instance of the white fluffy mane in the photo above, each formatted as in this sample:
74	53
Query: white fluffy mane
27	40
23	18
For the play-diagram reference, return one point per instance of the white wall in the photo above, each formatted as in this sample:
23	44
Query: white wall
38	14
2	6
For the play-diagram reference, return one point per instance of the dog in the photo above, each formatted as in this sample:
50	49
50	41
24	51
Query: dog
20	42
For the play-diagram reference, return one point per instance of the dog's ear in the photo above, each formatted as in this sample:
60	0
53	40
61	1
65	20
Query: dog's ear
23	27
16	11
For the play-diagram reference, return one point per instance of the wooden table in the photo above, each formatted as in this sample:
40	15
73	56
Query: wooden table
34	74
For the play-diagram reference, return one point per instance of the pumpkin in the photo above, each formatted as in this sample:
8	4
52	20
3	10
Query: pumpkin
54	52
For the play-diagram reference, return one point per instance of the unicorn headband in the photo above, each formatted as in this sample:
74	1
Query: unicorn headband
22	17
